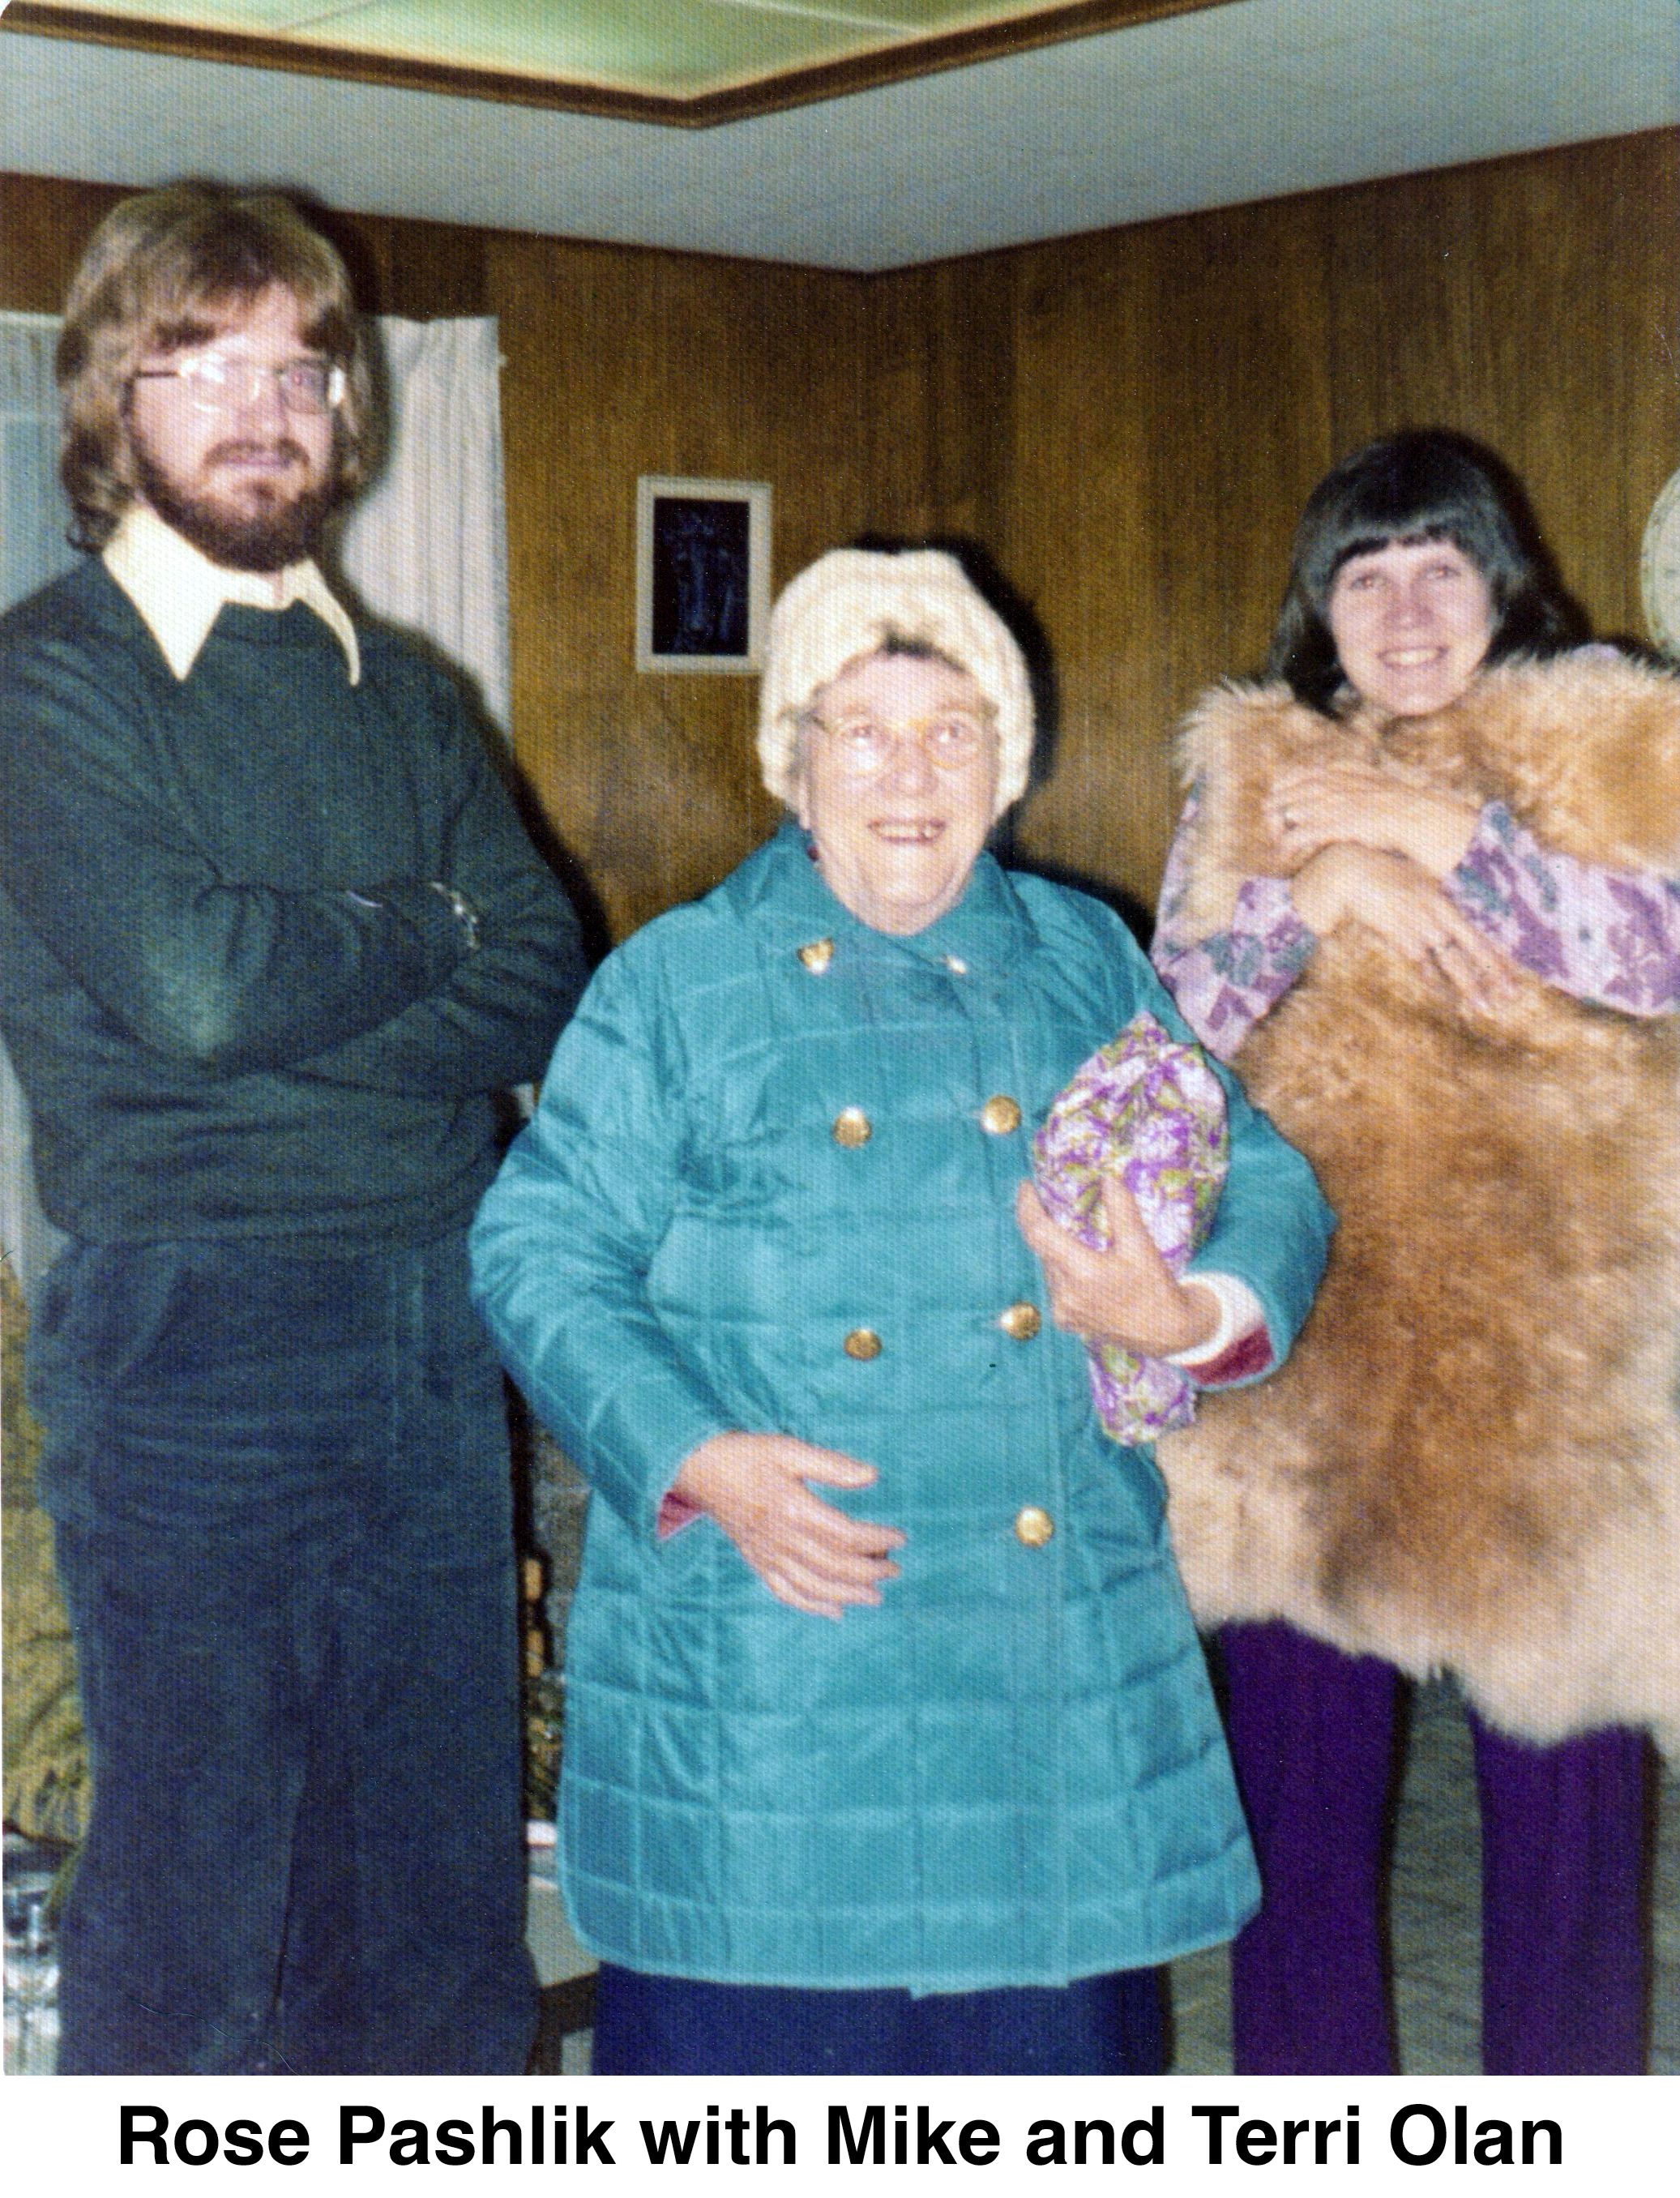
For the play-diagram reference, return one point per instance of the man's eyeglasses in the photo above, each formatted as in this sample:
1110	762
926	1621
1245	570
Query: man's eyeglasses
217	384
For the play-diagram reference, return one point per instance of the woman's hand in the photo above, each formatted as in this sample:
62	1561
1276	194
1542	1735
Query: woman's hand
1392	896
807	1553
1316	805
1127	1294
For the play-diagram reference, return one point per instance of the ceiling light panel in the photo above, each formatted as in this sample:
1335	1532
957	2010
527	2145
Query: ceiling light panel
659	48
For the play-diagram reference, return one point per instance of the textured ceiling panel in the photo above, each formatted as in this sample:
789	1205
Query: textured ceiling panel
1248	101
689	52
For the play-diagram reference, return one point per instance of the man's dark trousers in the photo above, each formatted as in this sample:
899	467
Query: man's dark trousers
280	1484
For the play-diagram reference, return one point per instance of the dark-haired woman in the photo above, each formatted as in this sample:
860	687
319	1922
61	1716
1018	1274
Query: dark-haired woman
1421	898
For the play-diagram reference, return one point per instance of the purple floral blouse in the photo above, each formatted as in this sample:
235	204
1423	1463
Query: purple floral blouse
1609	936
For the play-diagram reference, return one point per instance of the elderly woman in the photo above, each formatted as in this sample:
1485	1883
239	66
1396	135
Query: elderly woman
1421	900
756	1263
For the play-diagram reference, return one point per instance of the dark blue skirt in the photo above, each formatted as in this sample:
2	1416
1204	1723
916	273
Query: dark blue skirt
648	2026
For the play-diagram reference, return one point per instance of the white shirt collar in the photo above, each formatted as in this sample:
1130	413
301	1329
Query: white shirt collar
179	591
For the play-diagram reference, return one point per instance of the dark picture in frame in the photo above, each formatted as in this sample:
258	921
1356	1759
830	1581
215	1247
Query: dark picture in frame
702	574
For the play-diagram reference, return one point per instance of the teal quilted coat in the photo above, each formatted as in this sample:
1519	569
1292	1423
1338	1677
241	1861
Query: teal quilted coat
766	1146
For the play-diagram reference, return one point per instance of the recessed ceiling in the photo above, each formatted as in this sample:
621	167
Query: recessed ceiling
693	62
1251	99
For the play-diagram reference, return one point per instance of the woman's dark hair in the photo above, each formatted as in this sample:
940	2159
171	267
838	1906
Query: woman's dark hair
1422	485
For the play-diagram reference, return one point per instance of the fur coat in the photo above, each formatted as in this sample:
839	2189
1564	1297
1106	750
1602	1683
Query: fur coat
1471	1461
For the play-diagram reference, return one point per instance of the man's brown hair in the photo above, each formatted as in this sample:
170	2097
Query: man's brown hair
172	269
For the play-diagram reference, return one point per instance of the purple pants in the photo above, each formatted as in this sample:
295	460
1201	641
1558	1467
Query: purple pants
1564	1841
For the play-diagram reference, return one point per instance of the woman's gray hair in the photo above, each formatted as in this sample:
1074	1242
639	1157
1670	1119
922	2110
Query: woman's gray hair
853	603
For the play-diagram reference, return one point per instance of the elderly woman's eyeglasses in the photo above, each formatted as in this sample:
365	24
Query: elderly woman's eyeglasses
949	742
215	383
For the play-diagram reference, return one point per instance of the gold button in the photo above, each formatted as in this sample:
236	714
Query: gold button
817	955
957	965
852	1127
1000	1115
1021	1321
1033	1526
863	1343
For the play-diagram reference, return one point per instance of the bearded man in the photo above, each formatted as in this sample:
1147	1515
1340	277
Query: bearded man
272	941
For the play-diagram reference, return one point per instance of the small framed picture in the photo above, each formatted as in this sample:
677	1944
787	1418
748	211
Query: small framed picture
702	574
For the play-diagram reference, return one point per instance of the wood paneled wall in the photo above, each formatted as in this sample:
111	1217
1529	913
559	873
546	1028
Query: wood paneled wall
1126	423
1154	404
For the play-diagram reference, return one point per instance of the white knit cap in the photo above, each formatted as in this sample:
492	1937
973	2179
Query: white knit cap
852	602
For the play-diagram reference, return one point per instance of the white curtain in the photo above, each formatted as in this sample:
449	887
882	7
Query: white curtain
428	548
33	513
33	517
425	549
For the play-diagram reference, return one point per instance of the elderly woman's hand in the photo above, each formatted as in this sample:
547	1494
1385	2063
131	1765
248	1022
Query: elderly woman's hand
1392	896
1127	1294
1315	806
806	1552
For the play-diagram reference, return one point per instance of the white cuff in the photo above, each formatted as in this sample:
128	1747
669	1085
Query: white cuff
1240	1313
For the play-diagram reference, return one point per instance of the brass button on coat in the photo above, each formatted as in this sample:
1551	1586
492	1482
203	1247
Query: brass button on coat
863	1343
957	965
1000	1115
852	1127
817	955
1021	1321
1033	1526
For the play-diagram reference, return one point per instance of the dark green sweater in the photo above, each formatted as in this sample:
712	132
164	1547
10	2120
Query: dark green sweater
234	1003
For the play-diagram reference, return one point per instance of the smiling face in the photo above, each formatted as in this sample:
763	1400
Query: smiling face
897	785
249	482
1411	623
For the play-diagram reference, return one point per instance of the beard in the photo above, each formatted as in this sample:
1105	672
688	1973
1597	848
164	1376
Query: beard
263	525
